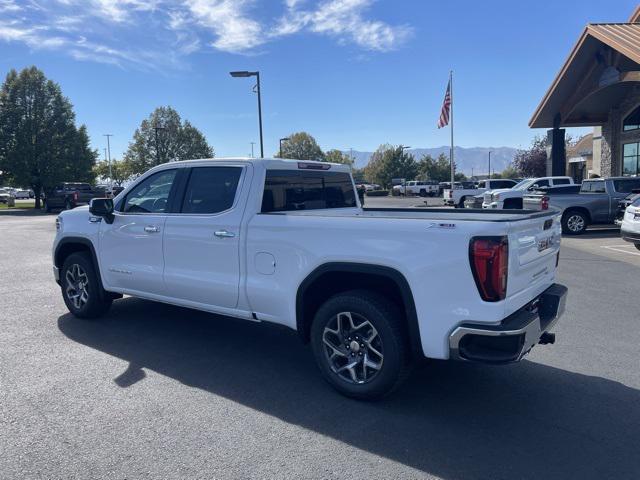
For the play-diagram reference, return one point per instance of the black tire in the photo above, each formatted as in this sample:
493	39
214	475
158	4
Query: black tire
391	340
97	301
423	192
574	222
47	208
461	202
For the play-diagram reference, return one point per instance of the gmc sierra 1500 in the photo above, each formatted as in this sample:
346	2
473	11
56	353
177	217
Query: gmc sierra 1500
287	242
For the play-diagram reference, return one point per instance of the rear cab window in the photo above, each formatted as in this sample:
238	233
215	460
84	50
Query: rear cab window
626	185
211	189
289	190
561	181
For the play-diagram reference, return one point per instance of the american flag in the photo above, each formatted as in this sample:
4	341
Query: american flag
446	106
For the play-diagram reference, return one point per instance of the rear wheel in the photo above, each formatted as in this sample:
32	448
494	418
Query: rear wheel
574	222
423	192
81	289
359	344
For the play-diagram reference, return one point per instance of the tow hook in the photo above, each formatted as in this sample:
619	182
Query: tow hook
547	338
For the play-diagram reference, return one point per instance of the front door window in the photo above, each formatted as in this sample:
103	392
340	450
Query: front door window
630	163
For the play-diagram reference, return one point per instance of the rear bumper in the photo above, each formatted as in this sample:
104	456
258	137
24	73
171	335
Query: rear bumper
629	236
515	336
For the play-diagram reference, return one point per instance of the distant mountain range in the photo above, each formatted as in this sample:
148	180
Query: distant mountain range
467	159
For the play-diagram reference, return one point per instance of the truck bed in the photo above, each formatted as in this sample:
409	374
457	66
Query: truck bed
426	214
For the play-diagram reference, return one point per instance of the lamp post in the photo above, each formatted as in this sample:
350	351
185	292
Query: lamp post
156	128
282	140
109	135
402	149
489	164
244	74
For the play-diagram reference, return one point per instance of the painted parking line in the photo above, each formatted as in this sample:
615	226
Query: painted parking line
619	248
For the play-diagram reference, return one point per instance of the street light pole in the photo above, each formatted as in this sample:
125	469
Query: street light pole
402	149
489	164
244	74
282	140
109	135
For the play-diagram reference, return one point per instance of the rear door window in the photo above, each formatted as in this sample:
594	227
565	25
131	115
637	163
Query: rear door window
626	185
287	190
561	181
211	189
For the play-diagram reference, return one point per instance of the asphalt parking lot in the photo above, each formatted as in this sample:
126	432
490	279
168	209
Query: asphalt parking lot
154	391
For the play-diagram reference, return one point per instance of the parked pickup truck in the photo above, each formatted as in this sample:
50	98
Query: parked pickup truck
69	195
595	203
513	197
457	196
287	242
422	188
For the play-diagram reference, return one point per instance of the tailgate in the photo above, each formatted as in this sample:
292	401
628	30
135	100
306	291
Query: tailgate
533	248
532	202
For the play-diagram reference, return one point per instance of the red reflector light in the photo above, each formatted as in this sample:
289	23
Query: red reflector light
489	257
544	203
75	196
313	166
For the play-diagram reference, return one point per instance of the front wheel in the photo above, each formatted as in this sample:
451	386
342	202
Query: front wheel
574	223
360	345
81	289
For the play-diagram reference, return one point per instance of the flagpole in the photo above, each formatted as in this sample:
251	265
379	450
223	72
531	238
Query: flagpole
451	127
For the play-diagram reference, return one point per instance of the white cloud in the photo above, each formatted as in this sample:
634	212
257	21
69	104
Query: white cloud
343	19
157	33
229	22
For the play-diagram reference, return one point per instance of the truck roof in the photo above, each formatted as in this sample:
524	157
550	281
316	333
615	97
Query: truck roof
270	163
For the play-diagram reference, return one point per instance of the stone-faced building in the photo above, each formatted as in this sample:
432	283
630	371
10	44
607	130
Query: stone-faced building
598	86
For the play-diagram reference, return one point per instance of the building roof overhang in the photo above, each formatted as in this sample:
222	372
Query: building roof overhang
602	68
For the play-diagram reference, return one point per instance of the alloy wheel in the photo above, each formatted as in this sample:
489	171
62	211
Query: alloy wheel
77	282
575	223
353	348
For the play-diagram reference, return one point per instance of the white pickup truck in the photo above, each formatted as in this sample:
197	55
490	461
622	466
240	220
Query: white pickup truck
457	196
417	187
513	198
287	242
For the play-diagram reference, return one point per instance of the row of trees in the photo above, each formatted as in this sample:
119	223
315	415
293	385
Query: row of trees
41	146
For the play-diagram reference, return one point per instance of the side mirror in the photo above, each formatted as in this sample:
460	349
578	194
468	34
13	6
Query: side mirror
102	207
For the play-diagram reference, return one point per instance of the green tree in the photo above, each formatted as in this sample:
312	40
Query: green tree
39	142
301	146
337	156
121	171
389	162
510	172
438	169
164	137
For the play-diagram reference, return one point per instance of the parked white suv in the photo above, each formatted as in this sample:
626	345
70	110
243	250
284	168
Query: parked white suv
287	242
511	198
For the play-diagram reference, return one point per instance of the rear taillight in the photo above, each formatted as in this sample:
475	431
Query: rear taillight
75	196
544	203
489	257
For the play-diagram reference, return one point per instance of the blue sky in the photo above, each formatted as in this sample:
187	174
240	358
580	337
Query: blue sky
354	73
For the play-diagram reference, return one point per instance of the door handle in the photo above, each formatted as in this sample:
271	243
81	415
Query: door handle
151	229
224	234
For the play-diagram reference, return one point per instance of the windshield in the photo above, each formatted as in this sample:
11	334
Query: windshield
523	185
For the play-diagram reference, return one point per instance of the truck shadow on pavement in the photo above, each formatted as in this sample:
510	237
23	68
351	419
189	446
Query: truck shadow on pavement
451	420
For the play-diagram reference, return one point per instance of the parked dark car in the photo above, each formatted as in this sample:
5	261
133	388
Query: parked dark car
70	195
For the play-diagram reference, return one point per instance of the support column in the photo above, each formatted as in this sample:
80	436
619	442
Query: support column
556	155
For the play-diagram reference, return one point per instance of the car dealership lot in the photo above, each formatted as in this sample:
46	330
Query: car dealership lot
153	391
